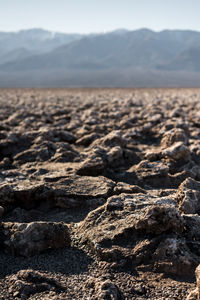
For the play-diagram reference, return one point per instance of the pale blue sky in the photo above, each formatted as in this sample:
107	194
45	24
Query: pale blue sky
99	15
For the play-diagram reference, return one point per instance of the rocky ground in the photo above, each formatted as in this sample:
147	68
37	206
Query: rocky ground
99	194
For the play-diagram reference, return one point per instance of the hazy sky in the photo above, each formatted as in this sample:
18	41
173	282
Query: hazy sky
99	15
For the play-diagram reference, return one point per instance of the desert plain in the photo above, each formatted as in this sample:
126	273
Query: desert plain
99	193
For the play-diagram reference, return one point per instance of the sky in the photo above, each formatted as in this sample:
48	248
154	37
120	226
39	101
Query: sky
86	16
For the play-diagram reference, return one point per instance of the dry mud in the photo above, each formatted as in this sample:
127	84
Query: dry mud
99	193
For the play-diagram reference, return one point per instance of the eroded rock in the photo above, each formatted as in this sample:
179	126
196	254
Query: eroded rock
146	141
177	151
188	196
26	283
113	139
159	219
173	136
151	173
35	237
123	187
92	166
173	256
106	290
139	228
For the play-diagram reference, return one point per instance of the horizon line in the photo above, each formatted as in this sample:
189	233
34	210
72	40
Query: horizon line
99	32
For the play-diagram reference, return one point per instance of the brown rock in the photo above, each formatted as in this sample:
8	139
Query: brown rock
34	238
122	187
174	256
173	136
177	151
114	154
87	139
188	196
92	166
151	173
158	219
85	187
107	290
138	228
113	139
29	282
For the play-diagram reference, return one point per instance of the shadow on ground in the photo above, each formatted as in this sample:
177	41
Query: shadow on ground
67	261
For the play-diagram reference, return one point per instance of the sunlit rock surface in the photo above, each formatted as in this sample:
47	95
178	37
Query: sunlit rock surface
99	193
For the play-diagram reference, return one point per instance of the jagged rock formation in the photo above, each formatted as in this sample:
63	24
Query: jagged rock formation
105	182
35	237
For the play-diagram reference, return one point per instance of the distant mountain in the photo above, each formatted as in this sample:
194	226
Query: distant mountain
188	60
61	59
16	55
33	41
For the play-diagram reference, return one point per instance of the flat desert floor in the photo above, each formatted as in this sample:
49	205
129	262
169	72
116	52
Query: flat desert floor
99	193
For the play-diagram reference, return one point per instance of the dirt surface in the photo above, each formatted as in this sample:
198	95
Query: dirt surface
99	193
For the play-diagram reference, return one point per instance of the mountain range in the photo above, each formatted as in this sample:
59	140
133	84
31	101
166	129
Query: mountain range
143	57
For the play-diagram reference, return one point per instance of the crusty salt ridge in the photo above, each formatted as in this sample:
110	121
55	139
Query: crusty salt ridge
99	193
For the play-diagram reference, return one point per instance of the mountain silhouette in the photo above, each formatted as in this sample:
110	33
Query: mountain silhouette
111	58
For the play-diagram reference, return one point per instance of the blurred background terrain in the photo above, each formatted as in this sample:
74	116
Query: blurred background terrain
99	55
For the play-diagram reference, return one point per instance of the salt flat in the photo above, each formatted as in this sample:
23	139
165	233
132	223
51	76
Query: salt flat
99	193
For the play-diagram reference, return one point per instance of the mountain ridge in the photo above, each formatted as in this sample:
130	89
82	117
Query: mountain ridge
119	51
